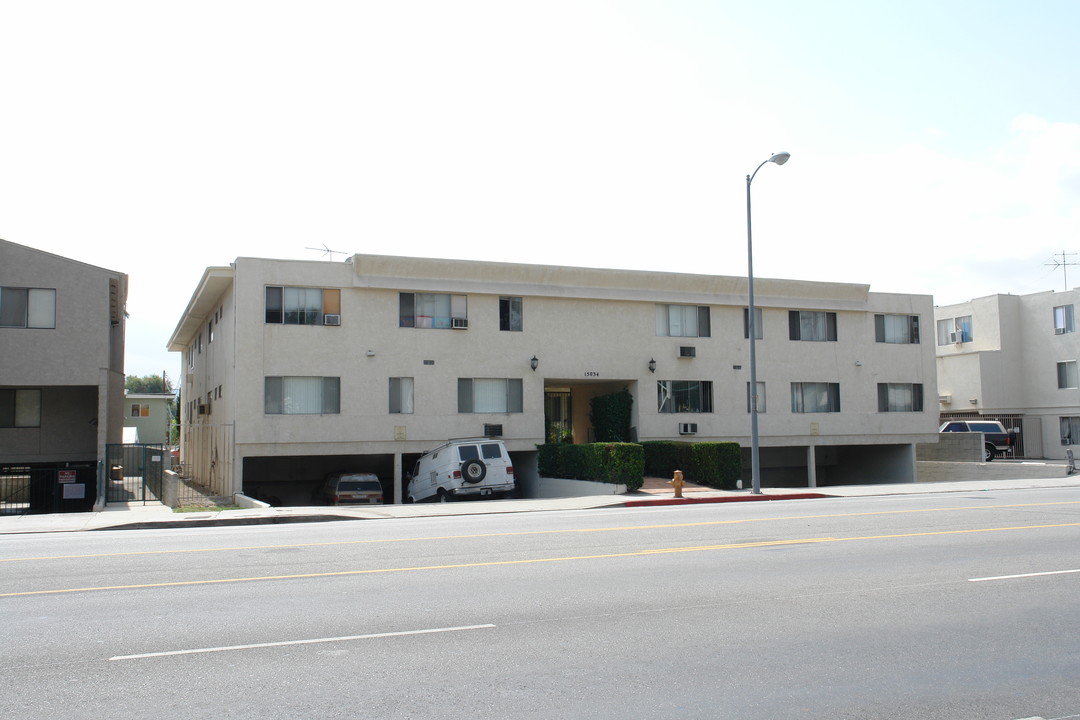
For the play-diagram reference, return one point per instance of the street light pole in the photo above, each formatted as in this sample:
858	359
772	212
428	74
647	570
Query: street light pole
755	445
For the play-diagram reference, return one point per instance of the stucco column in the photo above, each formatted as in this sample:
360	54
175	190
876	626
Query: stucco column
811	466
398	496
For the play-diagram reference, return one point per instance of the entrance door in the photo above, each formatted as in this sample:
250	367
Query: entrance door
558	425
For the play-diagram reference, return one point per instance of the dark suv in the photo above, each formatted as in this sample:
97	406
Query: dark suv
996	438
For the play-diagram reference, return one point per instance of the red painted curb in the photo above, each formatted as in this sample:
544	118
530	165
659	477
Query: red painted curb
738	498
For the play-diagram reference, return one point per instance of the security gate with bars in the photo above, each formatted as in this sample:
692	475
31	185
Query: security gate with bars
133	473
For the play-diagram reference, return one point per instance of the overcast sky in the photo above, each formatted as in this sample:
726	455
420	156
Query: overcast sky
935	146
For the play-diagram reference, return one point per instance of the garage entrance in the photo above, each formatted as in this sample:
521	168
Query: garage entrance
295	480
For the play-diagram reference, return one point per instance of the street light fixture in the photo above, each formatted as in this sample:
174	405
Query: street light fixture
755	446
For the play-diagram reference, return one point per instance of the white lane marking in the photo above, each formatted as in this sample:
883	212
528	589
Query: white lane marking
312	641
1025	575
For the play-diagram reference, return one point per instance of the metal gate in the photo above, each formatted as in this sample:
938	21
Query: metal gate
133	472
35	489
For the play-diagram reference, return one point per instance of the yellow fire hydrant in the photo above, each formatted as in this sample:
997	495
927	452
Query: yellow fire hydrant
677	483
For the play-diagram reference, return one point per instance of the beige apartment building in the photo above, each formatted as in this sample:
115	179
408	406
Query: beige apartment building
1014	358
293	369
62	326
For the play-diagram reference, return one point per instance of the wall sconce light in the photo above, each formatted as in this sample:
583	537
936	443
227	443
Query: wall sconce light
534	363
371	353
652	365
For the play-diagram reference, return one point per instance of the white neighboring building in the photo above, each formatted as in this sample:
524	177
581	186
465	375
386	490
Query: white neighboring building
1014	358
295	369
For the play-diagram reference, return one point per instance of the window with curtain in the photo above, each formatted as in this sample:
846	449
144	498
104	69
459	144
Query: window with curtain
1070	430
300	305
401	395
20	407
900	397
302	395
682	321
758	332
432	310
510	314
28	308
1063	319
490	395
684	396
1066	375
760	397
812	325
898	329
815	397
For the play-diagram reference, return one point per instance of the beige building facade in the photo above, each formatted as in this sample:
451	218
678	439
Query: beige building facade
295	369
62	325
1014	358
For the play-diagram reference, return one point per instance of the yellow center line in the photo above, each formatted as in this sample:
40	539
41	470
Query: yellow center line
533	561
524	533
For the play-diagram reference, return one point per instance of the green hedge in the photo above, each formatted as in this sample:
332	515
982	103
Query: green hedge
714	464
617	463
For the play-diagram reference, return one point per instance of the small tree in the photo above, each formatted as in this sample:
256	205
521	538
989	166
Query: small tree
147	384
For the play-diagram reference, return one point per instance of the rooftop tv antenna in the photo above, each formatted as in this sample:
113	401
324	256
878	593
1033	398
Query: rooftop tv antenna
327	251
1064	264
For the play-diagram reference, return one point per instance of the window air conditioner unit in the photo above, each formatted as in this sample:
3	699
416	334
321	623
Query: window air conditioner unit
1059	331
687	428
204	409
492	430
956	337
687	351
944	399
459	323
331	319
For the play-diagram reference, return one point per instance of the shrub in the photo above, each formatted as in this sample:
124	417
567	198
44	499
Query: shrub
714	464
617	463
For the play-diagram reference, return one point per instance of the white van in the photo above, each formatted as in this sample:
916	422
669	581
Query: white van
462	468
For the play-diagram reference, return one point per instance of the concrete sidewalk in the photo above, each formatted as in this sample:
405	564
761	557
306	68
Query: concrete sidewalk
136	516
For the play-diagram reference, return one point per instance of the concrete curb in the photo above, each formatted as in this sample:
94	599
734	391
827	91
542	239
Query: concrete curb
741	498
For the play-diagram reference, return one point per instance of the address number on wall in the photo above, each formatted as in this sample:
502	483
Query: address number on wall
592	373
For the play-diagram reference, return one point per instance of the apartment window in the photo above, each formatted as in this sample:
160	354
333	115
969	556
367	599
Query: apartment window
489	395
898	329
1066	375
954	330
433	310
811	325
27	307
682	321
191	356
758	333
1063	320
510	314
815	397
210	332
302	396
1070	430
760	397
900	397
684	396
138	410
198	344
301	306
401	395
20	408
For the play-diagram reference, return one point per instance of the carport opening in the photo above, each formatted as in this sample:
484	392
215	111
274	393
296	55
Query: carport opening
296	481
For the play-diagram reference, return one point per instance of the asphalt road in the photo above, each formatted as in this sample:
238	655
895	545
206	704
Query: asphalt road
935	606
